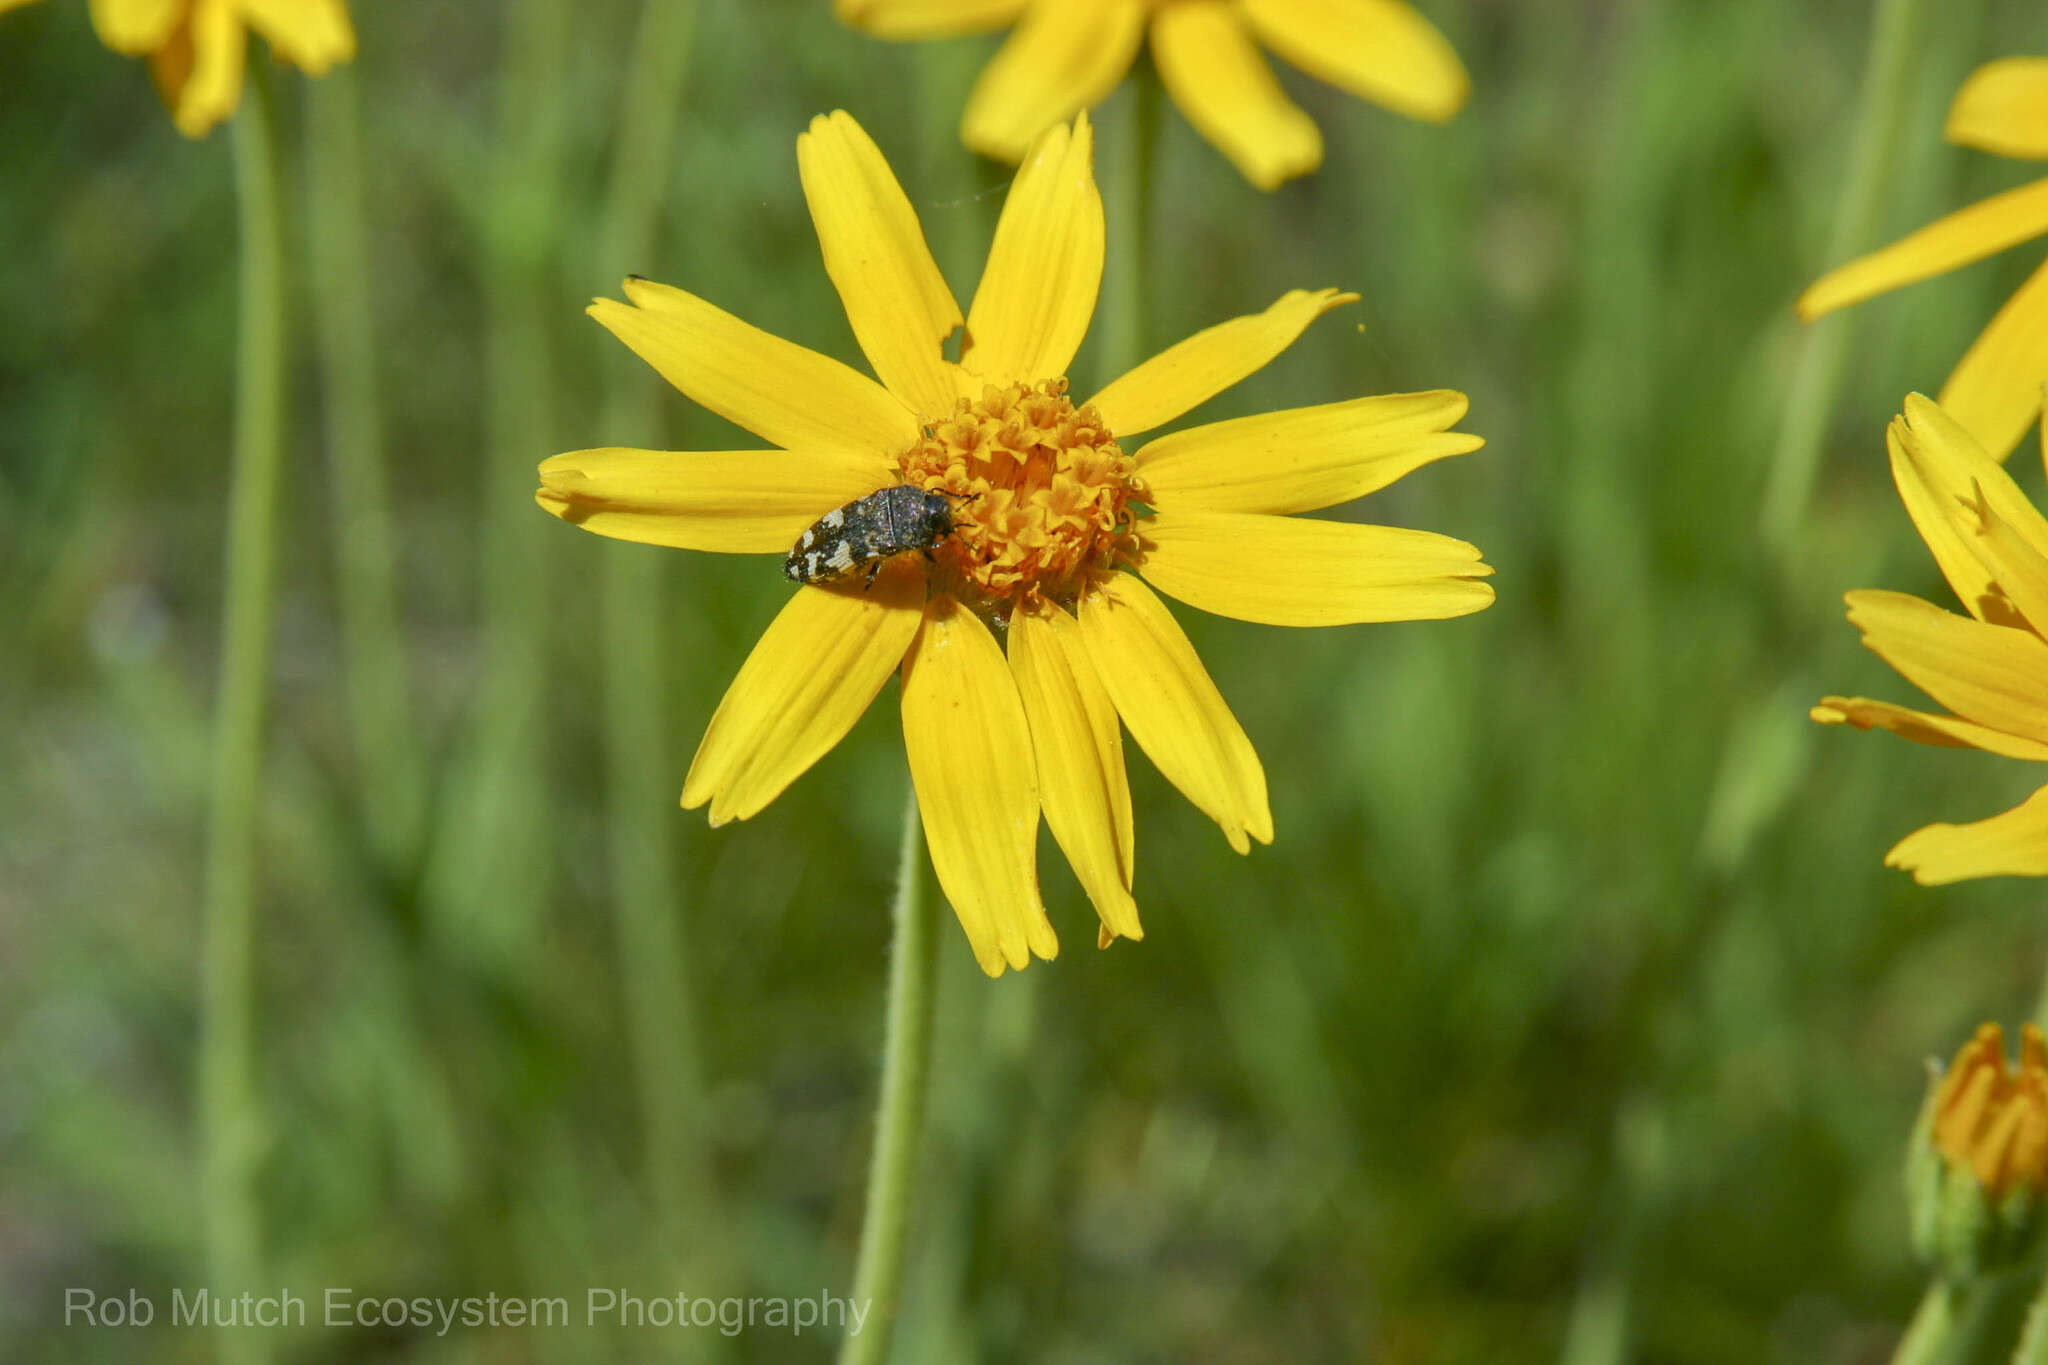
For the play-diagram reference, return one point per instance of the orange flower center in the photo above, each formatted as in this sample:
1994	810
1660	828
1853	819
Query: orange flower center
1042	495
1992	1117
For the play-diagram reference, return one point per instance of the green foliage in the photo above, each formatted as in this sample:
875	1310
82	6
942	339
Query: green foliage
1571	1013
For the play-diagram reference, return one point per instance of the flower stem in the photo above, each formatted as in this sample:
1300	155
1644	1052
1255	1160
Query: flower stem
660	1017
390	773
1824	349
1130	227
899	1122
1928	1335
493	865
2033	1347
229	1123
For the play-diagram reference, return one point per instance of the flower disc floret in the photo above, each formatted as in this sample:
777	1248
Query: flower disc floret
1044	494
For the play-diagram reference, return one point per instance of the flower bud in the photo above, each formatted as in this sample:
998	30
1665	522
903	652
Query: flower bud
1978	1165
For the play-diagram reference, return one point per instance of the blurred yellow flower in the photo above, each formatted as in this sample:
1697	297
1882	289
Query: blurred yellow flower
1989	668
195	47
1067	55
1048	511
1995	390
1991	1117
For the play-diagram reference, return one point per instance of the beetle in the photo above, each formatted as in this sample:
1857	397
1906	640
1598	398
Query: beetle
868	531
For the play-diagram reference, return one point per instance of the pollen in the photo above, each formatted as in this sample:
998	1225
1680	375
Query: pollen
1991	1117
1043	495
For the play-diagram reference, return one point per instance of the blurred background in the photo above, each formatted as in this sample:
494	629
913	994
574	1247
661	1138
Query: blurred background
1571	1015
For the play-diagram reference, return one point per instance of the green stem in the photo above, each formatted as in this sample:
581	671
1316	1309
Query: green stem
392	777
899	1123
648	114
1130	227
1933	1326
638	748
2033	1347
1824	349
230	1125
493	866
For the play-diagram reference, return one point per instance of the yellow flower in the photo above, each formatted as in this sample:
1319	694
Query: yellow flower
1067	55
1049	511
1991	1118
1995	390
1989	668
195	47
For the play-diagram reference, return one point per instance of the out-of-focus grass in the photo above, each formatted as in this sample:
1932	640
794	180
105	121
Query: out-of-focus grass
1571	1012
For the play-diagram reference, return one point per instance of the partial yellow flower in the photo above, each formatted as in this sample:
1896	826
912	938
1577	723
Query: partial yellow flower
1977	1167
1990	668
1024	636
196	47
1995	390
1067	55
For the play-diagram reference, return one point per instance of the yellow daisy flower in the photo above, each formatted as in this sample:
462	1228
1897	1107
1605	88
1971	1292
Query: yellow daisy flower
1995	390
1067	55
1989	668
1024	634
195	47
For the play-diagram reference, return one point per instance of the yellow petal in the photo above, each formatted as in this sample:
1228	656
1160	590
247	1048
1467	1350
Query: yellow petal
1930	470
926	18
170	66
1208	64
1038	290
1295	571
811	675
1380	50
2019	569
727	501
1080	757
899	305
970	760
1996	389
2014	844
1924	727
310	34
1172	708
780	391
1304	458
1192	372
1968	235
1066	56
1937	466
1996	676
2003	108
198	70
134	26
